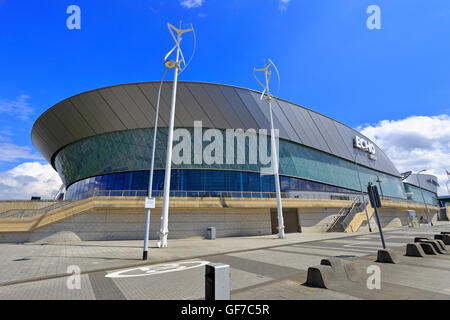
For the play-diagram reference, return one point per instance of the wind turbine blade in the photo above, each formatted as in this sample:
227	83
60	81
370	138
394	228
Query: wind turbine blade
278	76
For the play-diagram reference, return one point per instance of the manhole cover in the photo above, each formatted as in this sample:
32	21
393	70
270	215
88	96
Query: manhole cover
23	259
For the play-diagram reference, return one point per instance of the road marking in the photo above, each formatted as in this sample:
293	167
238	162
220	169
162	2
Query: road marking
156	269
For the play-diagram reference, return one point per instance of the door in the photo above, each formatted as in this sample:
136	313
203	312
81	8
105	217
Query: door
291	223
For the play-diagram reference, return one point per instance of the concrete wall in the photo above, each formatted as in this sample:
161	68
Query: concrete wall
129	225
316	219
394	218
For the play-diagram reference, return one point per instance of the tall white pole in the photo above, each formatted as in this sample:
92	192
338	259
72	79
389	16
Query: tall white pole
150	183
277	176
165	210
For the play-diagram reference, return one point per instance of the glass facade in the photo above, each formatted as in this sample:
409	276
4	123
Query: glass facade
415	194
129	151
195	183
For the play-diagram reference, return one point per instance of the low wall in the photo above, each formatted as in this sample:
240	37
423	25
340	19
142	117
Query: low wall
102	225
395	218
117	218
313	220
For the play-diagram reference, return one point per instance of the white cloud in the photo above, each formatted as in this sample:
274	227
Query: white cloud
19	107
192	3
27	180
415	143
11	152
283	4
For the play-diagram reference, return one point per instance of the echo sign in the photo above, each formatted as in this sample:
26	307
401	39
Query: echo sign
364	145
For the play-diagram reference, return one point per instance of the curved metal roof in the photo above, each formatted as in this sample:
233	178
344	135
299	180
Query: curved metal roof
132	106
425	181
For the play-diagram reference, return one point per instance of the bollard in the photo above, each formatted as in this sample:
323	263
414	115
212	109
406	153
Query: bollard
217	281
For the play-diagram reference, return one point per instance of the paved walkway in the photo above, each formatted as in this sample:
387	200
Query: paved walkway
261	268
26	262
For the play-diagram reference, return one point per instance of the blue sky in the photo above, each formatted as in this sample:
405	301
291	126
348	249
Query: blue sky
328	59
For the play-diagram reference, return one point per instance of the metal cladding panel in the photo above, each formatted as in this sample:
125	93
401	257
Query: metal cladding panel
166	99
95	113
330	133
182	115
216	95
133	106
73	120
100	104
300	126
424	180
42	145
210	108
148	107
194	108
138	115
254	109
317	138
151	93
347	135
64	135
92	113
240	109
285	120
118	108
47	136
277	122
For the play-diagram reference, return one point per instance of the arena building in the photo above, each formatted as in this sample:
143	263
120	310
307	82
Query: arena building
100	143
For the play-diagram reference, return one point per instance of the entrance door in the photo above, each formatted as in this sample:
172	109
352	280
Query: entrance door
290	217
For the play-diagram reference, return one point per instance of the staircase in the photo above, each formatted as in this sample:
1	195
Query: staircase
345	216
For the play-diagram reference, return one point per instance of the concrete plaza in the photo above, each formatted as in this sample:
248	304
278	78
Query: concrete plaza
261	267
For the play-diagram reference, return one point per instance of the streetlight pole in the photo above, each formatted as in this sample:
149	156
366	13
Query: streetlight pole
164	231
423	198
362	194
150	183
269	98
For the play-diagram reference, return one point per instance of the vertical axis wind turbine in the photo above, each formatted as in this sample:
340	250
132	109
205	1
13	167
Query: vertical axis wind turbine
176	65
268	97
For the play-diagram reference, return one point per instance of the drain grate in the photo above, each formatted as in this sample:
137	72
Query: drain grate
346	257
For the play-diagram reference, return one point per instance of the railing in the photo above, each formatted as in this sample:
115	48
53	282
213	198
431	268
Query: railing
29	213
215	194
343	215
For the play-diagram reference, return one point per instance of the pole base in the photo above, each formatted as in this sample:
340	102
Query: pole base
144	256
162	243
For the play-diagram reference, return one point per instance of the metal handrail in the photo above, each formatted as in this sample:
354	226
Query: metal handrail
343	212
28	213
213	194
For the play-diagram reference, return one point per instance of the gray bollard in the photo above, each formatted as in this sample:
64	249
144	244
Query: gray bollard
414	250
387	256
217	281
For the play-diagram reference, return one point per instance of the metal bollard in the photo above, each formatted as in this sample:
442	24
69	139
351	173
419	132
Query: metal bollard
217	281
